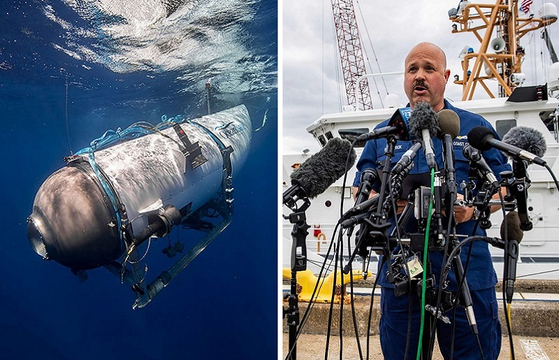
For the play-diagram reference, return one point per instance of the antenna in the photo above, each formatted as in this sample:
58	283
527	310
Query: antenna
484	20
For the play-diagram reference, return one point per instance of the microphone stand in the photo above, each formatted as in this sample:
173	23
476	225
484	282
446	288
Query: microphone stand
298	263
442	236
464	291
518	188
465	296
377	220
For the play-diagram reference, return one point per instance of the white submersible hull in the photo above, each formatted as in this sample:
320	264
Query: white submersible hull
110	198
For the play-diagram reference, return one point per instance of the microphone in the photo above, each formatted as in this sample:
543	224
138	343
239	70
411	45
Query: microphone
520	138
423	124
368	178
515	235
528	139
359	212
406	159
377	133
473	154
449	123
320	171
397	125
512	224
361	207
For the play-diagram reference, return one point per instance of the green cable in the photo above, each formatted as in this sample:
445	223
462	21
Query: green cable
424	278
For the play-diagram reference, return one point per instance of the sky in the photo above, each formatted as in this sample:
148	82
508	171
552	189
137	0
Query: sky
310	69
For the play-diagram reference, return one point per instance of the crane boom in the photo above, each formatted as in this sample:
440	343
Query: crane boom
351	54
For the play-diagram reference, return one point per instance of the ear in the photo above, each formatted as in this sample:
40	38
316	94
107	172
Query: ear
446	74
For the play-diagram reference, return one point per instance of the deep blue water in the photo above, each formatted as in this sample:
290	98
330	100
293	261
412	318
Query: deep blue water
119	68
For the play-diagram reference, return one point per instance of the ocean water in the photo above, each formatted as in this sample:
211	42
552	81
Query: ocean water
69	71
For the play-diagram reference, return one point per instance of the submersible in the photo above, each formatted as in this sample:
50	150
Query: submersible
138	183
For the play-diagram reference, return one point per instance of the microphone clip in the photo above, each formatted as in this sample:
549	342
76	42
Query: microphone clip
517	189
296	199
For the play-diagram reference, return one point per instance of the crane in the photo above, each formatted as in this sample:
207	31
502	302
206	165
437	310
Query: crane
351	54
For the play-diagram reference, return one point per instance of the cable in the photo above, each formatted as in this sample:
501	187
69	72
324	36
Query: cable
352	303
371	307
317	287
463	282
506	265
341	257
424	278
319	283
438	305
405	256
337	253
553	176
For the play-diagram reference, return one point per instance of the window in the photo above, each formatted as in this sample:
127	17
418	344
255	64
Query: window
352	134
503	126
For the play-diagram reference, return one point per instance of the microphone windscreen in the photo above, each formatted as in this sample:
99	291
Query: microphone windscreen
512	222
423	117
449	123
526	138
477	137
325	167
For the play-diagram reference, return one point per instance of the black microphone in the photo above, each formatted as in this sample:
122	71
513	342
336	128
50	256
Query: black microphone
520	138
368	178
475	156
378	133
320	171
519	189
361	207
424	124
359	212
515	235
406	159
523	145
495	241
397	125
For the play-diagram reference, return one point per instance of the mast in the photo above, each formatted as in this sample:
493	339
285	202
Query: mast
351	54
499	28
